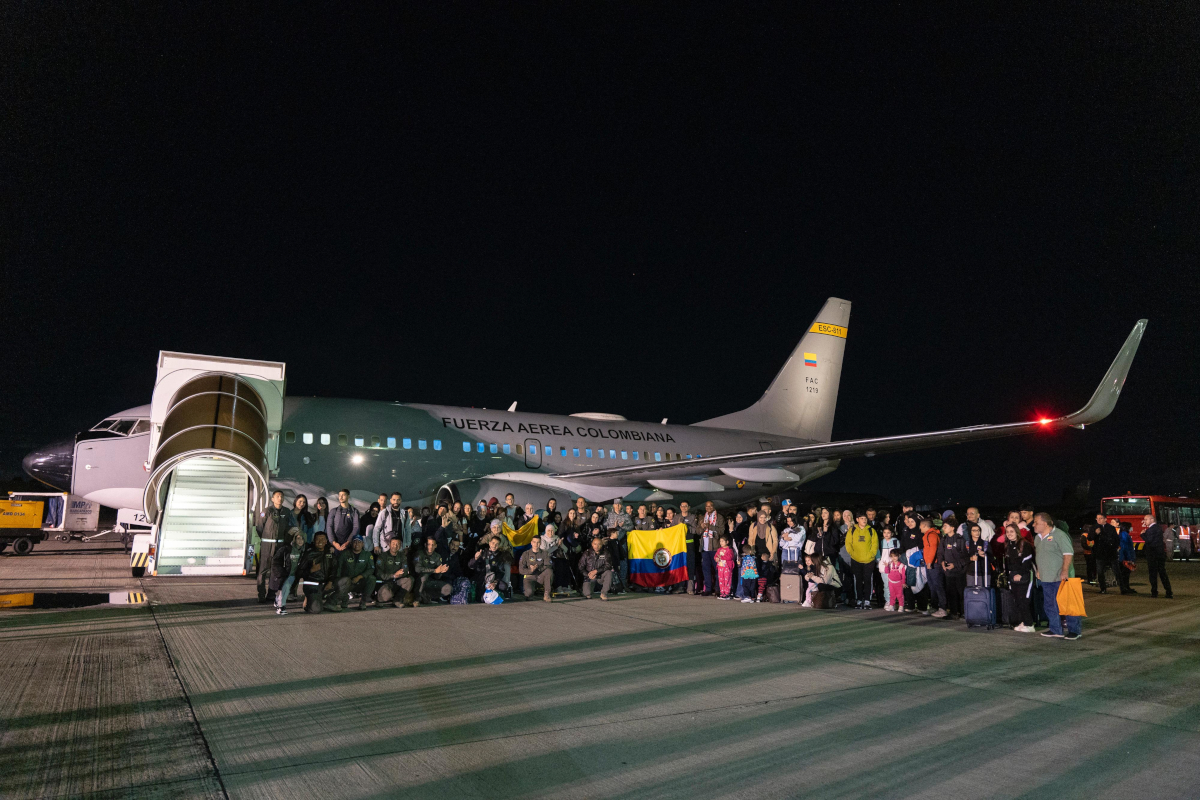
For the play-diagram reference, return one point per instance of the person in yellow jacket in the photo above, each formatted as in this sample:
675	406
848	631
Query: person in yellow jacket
862	543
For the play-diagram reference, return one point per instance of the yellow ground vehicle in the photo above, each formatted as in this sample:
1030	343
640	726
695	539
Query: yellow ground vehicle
21	524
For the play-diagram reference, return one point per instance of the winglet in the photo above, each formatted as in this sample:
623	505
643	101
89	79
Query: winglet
1104	399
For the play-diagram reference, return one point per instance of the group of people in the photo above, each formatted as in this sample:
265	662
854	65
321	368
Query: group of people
860	559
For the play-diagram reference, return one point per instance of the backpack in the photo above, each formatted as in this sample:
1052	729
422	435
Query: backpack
749	569
461	595
771	595
492	597
910	576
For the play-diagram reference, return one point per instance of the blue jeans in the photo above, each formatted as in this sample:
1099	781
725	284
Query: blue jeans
284	591
1050	603
708	562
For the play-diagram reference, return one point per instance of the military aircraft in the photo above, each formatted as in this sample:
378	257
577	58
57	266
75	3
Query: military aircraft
445	453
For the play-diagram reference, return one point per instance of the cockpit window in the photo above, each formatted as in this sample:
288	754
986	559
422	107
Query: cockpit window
103	426
123	427
142	426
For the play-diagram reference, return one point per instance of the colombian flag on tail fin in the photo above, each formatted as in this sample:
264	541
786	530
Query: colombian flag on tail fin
658	558
522	537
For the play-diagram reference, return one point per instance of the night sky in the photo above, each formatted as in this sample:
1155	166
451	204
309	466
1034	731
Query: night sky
604	207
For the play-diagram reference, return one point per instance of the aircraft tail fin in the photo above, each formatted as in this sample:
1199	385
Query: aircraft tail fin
801	400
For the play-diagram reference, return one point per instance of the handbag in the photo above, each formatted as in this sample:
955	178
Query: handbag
1070	598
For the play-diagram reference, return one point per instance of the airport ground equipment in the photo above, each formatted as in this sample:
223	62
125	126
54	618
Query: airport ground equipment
28	518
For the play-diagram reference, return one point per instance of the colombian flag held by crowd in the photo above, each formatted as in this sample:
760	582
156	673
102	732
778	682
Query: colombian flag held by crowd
658	558
522	537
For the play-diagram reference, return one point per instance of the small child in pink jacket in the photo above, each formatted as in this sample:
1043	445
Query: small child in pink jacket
726	560
893	573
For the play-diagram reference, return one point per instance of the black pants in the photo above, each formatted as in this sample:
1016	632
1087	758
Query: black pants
1090	560
916	600
266	556
708	560
1157	564
1123	577
863	581
956	587
877	583
1103	564
1019	609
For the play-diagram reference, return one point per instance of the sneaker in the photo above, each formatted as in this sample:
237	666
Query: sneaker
926	613
1169	596
747	600
547	598
281	611
1050	635
1023	628
1072	636
806	604
939	614
758	599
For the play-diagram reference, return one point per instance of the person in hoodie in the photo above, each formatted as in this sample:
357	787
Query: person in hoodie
887	543
1018	566
862	544
894	573
283	570
1127	558
952	555
916	596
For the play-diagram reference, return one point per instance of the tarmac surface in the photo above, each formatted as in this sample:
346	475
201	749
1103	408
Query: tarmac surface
205	693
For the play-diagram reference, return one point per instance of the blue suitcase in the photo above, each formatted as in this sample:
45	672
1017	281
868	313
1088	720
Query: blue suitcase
979	602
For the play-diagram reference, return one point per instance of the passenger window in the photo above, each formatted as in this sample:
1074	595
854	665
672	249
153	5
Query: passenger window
289	437
562	451
392	442
601	452
533	450
613	454
358	441
549	450
466	447
143	426
507	450
307	438
324	438
422	444
479	446
342	439
676	456
374	441
635	455
407	444
687	455
437	444
625	454
588	452
492	448
575	452
658	456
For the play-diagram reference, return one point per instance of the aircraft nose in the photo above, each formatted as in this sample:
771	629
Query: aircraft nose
52	464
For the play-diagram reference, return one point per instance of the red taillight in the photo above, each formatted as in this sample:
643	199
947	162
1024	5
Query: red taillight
1044	421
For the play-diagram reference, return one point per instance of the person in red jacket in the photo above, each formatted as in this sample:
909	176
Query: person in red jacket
934	575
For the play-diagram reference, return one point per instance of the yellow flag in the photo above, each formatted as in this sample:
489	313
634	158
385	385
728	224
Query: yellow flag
522	537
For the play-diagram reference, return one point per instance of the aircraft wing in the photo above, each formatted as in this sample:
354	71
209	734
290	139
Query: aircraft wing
1101	404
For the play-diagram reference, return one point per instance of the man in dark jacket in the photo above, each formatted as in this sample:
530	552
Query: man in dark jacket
342	524
357	574
1087	543
431	569
392	576
1108	542
535	568
1155	551
315	573
275	527
952	555
596	568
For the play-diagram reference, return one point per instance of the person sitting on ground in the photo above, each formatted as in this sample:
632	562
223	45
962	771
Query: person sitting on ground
596	568
431	569
536	569
316	572
1018	566
820	575
392	578
725	561
357	575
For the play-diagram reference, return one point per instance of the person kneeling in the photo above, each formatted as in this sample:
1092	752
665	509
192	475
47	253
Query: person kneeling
596	568
315	573
391	575
430	569
536	568
357	574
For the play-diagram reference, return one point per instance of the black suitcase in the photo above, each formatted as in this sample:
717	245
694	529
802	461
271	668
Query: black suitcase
979	602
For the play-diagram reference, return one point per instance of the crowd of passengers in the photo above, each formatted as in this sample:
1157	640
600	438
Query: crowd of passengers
391	555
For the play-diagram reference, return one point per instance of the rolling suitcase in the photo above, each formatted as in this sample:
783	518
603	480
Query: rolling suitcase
790	588
979	602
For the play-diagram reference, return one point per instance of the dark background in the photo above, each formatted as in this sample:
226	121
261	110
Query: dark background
608	207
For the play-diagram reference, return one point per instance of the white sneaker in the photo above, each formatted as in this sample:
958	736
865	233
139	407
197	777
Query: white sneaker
747	600
806	604
925	613
1024	628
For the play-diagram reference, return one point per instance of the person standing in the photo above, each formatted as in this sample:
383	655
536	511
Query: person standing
1087	543
342	525
764	538
275	526
686	517
952	553
1018	567
1155	538
711	527
1106	548
1053	560
862	544
306	520
1126	558
931	542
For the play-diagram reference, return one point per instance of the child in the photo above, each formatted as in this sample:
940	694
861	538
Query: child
725	558
887	543
894	573
748	574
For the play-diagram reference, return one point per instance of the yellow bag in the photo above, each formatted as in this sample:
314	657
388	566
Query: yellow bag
1070	598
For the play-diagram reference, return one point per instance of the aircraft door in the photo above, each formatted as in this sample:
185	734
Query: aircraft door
533	453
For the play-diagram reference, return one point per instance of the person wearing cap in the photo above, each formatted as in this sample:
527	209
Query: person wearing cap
274	526
357	574
536	569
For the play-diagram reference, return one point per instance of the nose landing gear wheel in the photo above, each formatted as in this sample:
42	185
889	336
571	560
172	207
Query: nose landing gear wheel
23	546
